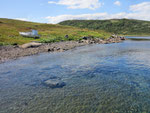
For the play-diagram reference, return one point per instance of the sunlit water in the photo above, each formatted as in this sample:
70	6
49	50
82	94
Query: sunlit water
110	78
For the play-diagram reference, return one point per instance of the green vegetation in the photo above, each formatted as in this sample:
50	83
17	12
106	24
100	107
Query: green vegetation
117	26
9	32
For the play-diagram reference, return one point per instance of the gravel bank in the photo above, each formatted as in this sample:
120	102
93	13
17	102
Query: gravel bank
14	52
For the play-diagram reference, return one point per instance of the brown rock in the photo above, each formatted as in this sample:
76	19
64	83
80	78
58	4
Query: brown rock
30	45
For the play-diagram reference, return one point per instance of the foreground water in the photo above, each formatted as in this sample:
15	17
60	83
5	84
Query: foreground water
113	78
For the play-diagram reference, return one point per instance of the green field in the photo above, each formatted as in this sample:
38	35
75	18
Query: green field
9	32
127	27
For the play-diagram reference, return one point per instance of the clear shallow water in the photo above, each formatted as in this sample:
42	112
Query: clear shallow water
99	79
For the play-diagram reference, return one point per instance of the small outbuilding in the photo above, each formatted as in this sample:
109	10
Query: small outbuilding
33	34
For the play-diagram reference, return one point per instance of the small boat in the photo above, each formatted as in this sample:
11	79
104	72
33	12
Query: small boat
33	34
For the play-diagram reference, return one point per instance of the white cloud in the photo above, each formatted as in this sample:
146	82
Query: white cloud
96	16
52	2
79	4
138	11
23	19
118	3
142	7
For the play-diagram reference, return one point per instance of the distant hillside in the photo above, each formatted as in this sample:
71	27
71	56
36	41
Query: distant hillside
117	26
9	32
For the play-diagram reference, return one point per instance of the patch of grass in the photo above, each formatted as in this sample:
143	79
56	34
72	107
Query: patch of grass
9	32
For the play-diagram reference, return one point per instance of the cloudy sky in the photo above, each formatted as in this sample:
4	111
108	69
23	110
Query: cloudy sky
54	11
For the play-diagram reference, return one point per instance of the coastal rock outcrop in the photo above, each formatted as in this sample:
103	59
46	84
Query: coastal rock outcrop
112	39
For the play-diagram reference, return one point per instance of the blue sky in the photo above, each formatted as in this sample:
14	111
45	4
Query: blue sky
54	11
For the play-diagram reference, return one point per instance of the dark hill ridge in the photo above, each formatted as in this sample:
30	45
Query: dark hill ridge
117	26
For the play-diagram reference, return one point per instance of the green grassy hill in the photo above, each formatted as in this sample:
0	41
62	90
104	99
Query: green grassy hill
117	26
9	32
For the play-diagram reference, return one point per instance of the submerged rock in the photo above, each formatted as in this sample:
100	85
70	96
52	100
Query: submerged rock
54	83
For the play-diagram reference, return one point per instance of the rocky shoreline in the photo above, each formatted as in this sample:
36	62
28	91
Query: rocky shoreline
14	52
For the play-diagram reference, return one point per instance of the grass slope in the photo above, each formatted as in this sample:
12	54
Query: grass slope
9	32
117	26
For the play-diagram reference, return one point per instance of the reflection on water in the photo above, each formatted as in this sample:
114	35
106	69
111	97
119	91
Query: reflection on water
99	79
139	38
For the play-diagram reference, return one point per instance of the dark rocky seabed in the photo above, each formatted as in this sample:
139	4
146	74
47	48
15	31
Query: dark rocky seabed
109	78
